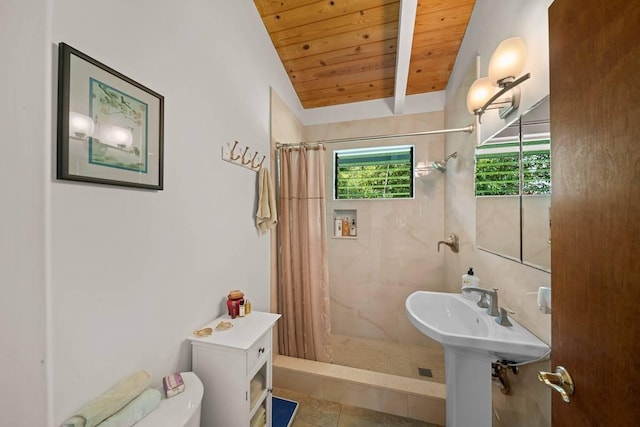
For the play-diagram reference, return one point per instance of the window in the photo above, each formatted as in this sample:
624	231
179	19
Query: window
374	173
498	171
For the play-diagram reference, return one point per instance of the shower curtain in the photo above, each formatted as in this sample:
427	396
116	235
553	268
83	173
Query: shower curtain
303	274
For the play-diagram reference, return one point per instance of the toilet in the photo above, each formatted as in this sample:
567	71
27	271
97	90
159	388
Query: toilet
182	410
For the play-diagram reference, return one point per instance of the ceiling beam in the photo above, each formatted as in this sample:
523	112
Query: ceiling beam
408	10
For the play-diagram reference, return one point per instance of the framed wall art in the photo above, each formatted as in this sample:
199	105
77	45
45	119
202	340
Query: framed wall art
110	128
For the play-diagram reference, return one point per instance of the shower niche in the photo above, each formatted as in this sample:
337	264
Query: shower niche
345	224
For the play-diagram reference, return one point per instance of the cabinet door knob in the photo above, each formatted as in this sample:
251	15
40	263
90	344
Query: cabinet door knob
261	350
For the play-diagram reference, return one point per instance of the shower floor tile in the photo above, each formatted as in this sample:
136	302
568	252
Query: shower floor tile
389	358
314	412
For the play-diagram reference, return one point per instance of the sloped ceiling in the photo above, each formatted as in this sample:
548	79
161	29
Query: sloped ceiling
342	51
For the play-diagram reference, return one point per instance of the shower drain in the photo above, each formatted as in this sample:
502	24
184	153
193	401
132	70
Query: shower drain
425	372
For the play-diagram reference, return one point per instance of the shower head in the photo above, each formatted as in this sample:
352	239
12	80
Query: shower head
442	166
439	166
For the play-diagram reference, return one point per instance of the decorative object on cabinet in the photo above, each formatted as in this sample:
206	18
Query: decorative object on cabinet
110	128
204	332
234	300
242	157
235	367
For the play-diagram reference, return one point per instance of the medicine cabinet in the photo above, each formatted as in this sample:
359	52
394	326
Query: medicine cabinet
513	190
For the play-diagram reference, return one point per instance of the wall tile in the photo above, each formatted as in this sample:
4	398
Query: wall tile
395	252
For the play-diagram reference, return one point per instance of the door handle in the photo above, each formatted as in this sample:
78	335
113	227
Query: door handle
560	381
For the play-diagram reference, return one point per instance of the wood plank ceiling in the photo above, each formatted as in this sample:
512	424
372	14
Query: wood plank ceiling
342	51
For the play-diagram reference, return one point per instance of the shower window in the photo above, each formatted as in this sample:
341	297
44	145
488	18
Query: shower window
374	173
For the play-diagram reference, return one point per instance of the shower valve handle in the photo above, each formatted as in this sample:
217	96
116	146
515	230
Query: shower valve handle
452	242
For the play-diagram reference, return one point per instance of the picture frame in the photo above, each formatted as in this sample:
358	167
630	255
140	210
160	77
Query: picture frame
110	127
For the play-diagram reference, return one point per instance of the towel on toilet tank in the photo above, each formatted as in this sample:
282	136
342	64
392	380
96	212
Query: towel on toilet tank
116	398
135	410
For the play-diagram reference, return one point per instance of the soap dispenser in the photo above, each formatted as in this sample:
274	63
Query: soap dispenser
470	279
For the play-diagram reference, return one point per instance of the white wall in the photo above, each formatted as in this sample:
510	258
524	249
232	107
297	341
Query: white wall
491	22
134	272
25	84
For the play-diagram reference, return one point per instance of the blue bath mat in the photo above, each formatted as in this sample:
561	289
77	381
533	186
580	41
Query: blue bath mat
283	411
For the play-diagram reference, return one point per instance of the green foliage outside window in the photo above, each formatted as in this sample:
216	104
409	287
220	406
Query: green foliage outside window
536	172
497	174
381	173
498	169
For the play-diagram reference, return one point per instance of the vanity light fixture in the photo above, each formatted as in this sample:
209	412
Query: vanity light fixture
500	89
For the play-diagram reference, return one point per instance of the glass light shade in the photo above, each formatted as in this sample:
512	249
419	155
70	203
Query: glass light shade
80	125
116	136
507	62
479	93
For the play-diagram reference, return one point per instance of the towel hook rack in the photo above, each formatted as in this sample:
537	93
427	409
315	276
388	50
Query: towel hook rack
231	156
260	164
244	153
246	159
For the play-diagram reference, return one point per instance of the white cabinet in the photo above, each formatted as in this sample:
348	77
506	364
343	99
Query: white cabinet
235	367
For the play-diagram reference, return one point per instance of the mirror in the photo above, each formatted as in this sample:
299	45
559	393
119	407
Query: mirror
513	190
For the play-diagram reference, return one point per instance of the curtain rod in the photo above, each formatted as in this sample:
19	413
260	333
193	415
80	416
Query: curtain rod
467	129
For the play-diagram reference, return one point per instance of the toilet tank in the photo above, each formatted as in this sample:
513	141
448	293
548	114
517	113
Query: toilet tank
182	410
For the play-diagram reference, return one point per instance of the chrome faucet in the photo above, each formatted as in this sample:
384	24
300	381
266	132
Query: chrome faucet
492	305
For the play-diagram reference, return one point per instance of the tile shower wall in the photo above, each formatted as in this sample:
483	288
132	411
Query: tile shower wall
395	252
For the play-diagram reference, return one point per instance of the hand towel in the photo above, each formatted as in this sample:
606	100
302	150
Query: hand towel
135	410
102	407
267	215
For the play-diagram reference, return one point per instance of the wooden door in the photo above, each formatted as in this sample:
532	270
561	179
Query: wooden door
595	250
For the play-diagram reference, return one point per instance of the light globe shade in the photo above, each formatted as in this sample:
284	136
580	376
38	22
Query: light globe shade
507	62
479	93
116	136
80	126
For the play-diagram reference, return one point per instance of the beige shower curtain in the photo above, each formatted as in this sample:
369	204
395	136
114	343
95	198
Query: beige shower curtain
303	277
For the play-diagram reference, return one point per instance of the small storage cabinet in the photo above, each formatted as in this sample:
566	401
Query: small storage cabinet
235	367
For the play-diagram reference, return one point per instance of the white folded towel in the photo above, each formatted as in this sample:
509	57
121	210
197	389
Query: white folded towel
267	215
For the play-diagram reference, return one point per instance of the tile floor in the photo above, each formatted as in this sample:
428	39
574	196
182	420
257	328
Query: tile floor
313	412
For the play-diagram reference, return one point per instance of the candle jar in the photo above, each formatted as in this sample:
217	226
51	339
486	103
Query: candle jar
233	306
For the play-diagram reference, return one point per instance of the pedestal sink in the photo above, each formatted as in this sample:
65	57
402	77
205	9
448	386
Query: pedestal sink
472	340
